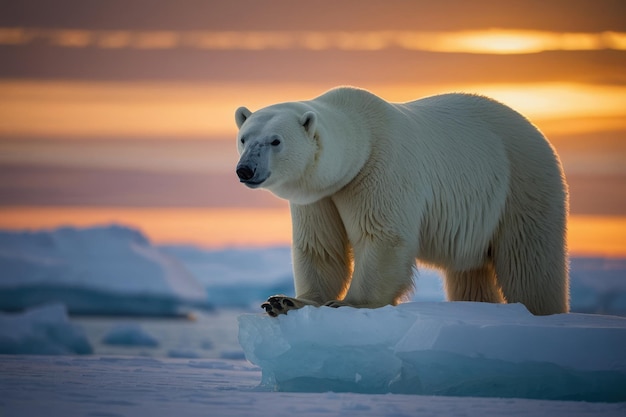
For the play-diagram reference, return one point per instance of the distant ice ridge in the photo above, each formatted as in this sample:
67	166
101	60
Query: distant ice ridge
46	330
460	349
98	270
240	278
598	285
129	334
115	270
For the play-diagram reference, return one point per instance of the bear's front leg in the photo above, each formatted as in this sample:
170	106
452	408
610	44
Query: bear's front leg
321	258
383	274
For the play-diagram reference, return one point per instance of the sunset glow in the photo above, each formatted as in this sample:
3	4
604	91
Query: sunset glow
212	228
203	227
150	109
129	116
526	41
493	41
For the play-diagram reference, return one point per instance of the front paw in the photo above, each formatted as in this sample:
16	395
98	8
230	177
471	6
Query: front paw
281	304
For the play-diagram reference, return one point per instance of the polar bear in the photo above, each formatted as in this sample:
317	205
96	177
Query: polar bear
456	181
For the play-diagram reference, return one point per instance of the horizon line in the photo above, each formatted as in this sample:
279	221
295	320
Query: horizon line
486	41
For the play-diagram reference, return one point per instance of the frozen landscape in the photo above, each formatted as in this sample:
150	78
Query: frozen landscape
66	351
102	270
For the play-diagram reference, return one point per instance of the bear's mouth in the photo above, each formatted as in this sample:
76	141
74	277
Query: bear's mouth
254	182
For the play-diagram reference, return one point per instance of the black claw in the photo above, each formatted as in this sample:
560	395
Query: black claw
277	305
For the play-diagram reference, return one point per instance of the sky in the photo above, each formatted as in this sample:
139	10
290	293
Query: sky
109	108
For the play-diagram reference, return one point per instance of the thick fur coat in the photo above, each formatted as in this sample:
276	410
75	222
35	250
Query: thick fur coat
457	181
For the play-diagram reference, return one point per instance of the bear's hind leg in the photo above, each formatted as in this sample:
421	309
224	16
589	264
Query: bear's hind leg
477	284
531	266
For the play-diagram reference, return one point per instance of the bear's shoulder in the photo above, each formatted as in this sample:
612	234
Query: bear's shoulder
343	94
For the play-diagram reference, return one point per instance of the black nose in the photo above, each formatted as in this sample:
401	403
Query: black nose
245	172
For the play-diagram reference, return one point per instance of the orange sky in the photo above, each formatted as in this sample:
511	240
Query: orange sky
122	110
128	117
217	228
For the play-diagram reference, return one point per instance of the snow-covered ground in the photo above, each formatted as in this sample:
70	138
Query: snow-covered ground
114	387
478	359
430	341
132	386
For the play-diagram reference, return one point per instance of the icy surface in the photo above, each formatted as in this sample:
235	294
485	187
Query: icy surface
461	349
109	386
198	366
99	270
129	334
42	331
208	335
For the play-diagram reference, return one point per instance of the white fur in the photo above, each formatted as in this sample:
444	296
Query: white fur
457	181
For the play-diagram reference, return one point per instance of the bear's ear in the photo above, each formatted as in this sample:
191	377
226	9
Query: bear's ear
241	115
308	120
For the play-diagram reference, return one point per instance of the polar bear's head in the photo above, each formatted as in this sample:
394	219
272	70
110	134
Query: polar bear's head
278	148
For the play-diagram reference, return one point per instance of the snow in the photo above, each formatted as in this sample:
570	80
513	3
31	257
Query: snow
43	331
461	349
423	358
98	270
129	334
133	386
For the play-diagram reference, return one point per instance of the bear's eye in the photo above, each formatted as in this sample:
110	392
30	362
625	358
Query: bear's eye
275	142
243	140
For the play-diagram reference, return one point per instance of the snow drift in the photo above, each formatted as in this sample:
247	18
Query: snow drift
42	331
101	270
460	349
